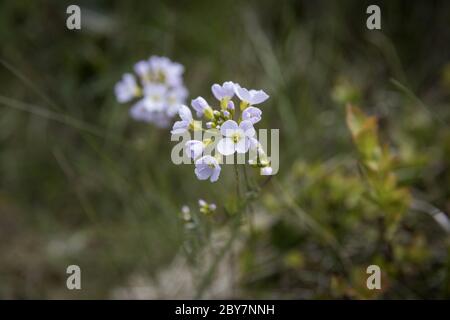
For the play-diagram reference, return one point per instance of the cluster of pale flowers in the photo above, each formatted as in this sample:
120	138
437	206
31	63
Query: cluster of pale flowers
236	129
157	90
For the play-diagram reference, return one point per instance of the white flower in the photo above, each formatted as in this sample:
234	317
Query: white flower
252	114
224	91
237	137
194	148
202	108
207	167
126	89
186	120
250	97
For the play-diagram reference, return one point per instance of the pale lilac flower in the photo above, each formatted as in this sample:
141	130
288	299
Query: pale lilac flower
202	203
175	98
194	148
266	171
161	86
252	114
224	91
163	70
186	120
230	105
126	89
250	97
201	107
237	137
207	167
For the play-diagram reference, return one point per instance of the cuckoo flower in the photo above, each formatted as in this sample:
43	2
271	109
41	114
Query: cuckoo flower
160	85
236	137
194	148
223	92
207	167
202	108
250	97
186	121
231	128
252	114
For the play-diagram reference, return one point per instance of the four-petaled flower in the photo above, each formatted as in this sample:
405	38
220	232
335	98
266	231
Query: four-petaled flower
236	137
224	91
252	114
250	97
194	148
207	167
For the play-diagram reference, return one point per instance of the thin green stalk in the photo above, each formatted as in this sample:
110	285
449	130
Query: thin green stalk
238	182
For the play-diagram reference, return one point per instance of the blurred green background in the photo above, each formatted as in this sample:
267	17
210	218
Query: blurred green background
82	183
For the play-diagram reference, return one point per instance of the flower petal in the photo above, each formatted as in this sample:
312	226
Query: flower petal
252	114
243	145
242	93
203	172
258	96
226	146
228	127
199	104
215	175
228	89
217	91
180	127
193	148
247	127
185	113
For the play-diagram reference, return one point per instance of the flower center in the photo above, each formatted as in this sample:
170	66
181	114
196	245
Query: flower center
236	137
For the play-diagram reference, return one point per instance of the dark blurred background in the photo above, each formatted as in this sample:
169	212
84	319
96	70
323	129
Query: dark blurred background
82	183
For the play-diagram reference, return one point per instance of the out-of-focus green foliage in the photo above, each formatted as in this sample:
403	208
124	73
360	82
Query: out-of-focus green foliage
378	165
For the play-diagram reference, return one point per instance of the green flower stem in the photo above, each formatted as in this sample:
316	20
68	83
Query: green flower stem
238	182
